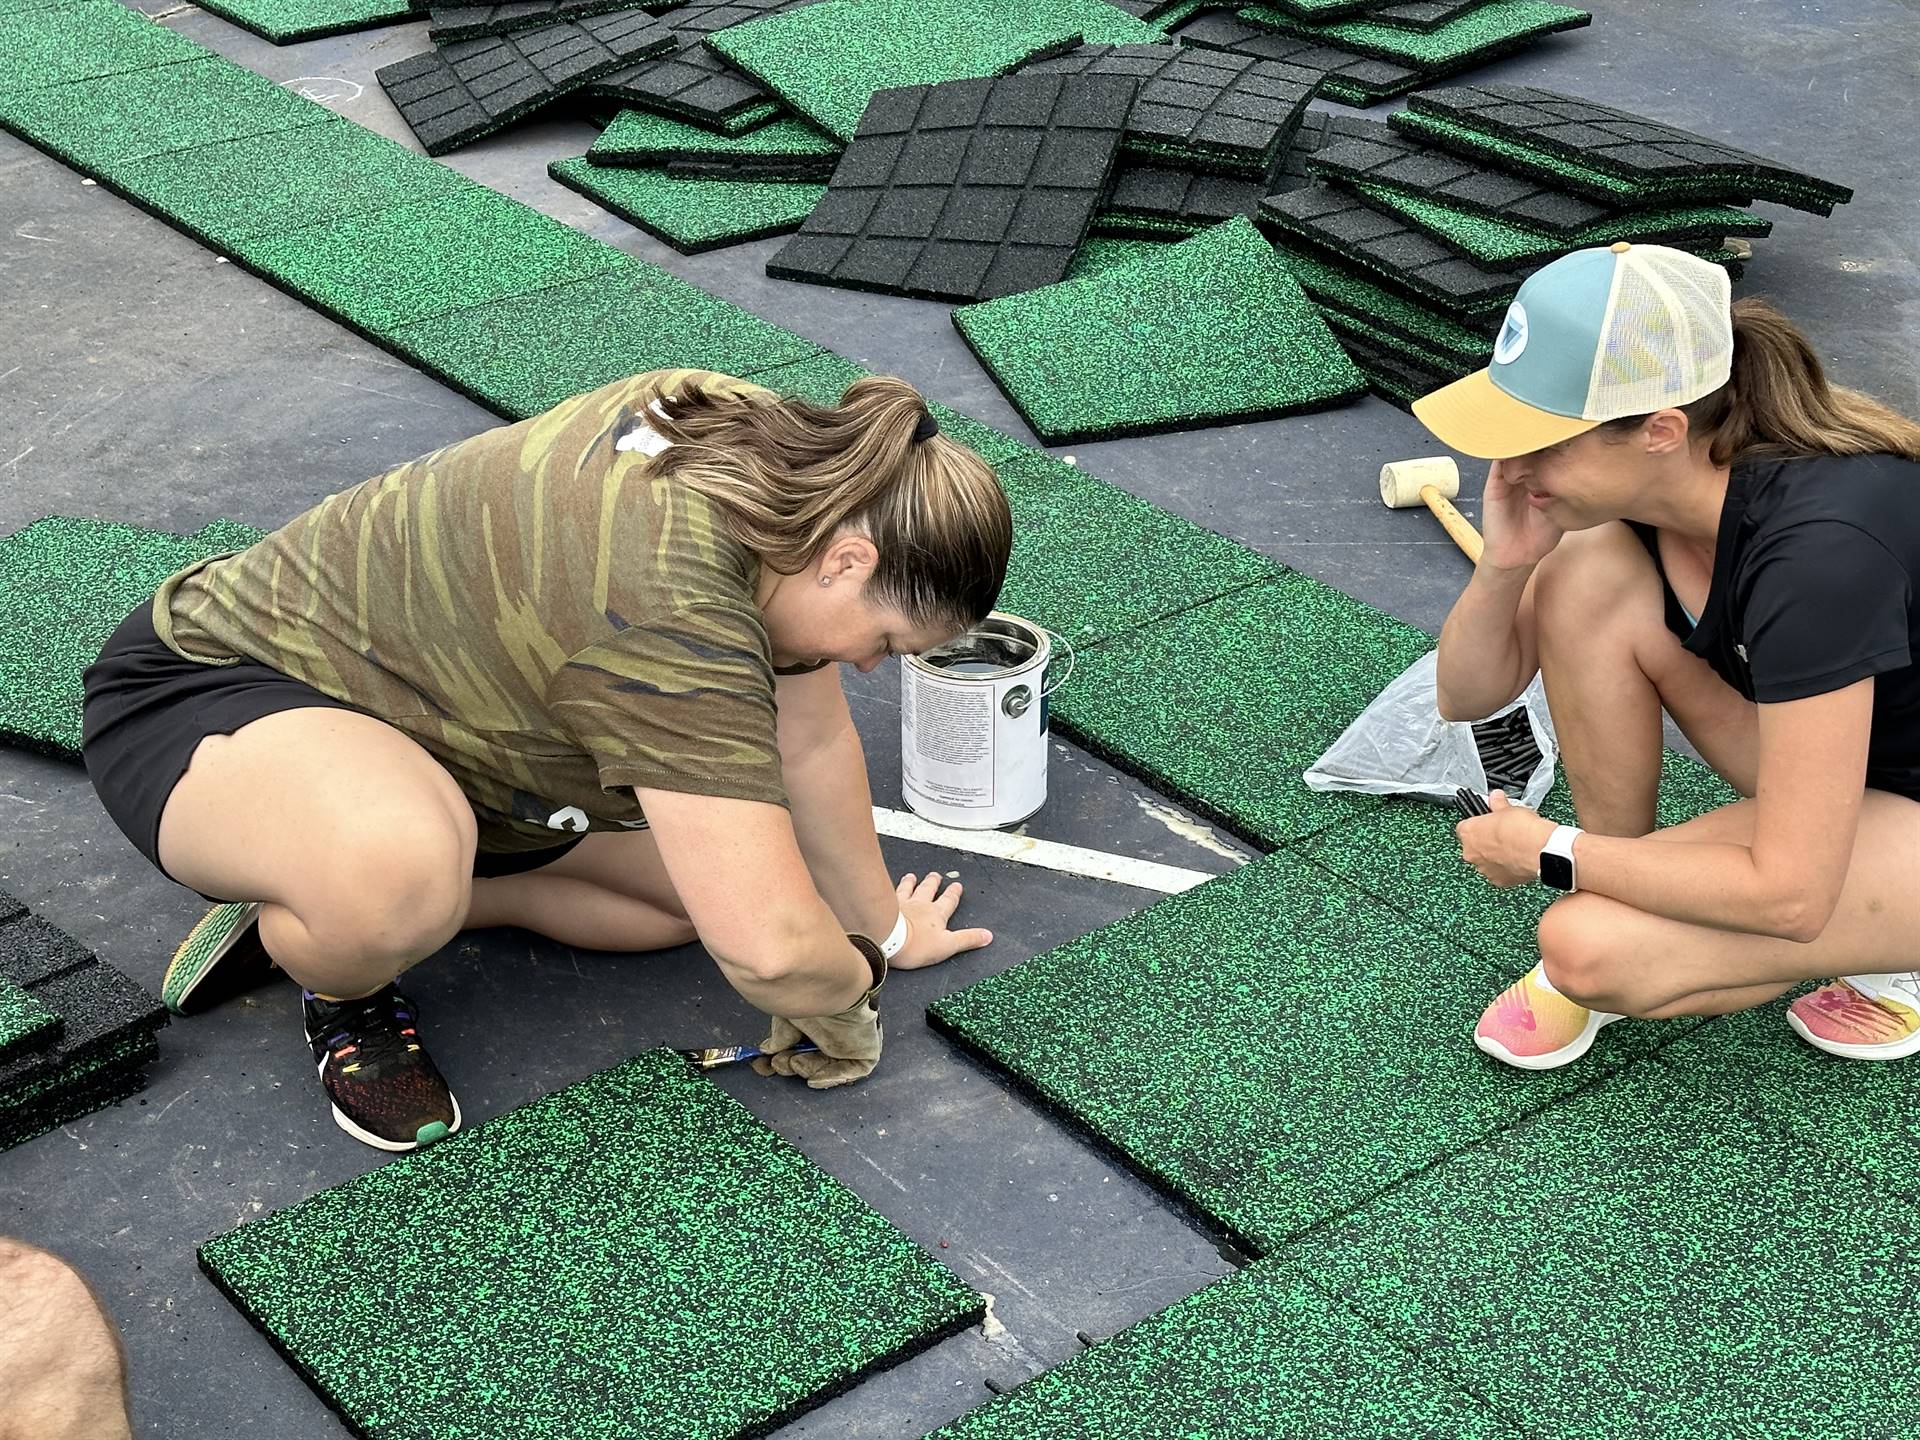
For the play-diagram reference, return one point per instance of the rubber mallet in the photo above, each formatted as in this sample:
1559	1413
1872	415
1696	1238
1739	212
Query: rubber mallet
1432	482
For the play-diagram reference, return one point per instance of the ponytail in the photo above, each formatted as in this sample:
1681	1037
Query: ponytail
788	476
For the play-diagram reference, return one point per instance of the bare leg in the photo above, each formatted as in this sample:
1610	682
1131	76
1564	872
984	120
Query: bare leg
610	892
356	841
63	1374
1612	957
1610	666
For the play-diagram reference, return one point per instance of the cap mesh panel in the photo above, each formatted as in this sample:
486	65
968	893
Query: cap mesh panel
1668	339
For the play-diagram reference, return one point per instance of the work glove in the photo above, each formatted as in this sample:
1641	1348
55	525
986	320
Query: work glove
849	1041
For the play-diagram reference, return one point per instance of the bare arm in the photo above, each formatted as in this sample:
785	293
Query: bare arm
738	870
1488	653
825	771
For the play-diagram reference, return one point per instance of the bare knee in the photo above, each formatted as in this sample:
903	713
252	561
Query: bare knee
1579	587
61	1366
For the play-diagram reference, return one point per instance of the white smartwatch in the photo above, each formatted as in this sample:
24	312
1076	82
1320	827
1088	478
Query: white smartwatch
1556	859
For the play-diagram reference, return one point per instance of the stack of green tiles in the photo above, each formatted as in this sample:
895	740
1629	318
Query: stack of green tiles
633	1256
784	146
1481	34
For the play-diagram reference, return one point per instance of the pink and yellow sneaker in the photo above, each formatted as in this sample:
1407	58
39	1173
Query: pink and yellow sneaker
1532	1025
1863	1017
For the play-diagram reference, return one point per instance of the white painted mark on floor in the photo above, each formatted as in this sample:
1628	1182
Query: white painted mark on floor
326	89
26	234
1049	854
18	458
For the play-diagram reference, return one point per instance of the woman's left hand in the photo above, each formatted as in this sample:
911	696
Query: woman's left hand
1505	844
929	913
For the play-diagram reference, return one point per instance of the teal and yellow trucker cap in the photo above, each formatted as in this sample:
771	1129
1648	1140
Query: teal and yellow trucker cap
1598	334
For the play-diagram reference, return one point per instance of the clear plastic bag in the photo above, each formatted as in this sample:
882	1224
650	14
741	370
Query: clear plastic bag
1400	746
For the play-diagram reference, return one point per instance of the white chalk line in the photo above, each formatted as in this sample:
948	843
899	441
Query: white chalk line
1049	854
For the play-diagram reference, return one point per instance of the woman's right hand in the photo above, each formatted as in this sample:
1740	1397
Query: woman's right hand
1517	534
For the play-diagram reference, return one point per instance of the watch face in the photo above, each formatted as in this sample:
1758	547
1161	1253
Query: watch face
1556	871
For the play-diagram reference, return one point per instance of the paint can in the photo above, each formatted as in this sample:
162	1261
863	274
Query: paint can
973	724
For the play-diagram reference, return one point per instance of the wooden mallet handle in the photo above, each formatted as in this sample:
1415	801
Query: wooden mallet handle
1432	482
1453	522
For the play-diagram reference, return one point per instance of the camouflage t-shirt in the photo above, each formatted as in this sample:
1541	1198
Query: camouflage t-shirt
554	623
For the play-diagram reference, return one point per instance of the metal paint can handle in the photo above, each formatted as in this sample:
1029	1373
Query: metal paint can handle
1049	685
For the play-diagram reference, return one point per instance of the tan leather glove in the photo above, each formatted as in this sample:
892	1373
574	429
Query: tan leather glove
849	1041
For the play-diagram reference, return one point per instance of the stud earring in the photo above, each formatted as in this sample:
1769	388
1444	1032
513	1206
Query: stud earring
826	579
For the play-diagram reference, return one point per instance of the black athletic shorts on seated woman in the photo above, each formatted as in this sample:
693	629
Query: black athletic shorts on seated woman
147	709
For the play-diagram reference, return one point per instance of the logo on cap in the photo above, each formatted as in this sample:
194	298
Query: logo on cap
1513	335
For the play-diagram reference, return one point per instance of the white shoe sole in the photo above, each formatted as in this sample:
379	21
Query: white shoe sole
367	1137
1890	1050
1597	1020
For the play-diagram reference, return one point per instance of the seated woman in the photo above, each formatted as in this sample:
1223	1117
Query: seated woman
1683	514
574	675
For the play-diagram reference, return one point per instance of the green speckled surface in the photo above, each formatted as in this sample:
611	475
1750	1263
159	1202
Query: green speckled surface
24	1022
1500	242
1651	1259
1103	252
227	193
1224	706
64	585
1090	561
1260	1355
1209	331
827	60
633	1256
287	21
59	45
1485	30
1273	1048
396	267
691	215
526	353
644	137
98	125
822	377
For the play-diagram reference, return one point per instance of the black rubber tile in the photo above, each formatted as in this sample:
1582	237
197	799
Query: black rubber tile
1261	1355
1159	194
1402	253
1201	108
787	148
635	1255
965	191
1630	147
828	61
25	1023
469	22
692	213
1091	561
1318	130
65	584
10	906
1352	78
689	79
1216	1042
1267	678
287	22
98	1008
33	952
93	1084
470	88
1337	285
1367	150
1398	371
1411	14
526	353
1472	38
1651	1258
1211	331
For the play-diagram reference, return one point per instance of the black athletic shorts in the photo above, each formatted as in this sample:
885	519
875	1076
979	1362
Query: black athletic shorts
147	710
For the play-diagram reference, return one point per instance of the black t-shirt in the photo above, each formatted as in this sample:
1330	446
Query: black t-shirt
1816	585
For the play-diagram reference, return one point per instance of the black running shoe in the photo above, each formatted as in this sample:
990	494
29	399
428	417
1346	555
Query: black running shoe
385	1088
221	957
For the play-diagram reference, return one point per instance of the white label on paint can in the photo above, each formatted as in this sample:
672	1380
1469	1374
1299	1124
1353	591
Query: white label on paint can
952	729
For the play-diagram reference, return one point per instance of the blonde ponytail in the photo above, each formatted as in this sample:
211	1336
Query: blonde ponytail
788	476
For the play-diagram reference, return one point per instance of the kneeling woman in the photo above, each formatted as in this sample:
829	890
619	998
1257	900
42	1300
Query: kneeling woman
1684	515
575	675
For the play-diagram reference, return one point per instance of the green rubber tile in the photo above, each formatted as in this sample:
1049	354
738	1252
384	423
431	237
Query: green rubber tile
1646	1259
1215	1042
1134	225
64	585
240	190
88	1088
1400	369
1225	705
1210	331
25	1024
634	1256
1091	561
285	22
1475	37
989	444
99	125
1502	242
645	137
822	377
1260	1355
62	45
397	267
692	214
526	353
827	60
1099	252
112	1064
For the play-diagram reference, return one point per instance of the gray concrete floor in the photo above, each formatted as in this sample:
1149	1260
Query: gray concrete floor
143	379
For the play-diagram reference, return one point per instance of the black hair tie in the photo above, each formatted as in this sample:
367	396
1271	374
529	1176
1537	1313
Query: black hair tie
927	428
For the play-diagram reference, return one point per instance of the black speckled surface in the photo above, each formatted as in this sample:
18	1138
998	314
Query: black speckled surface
633	1256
